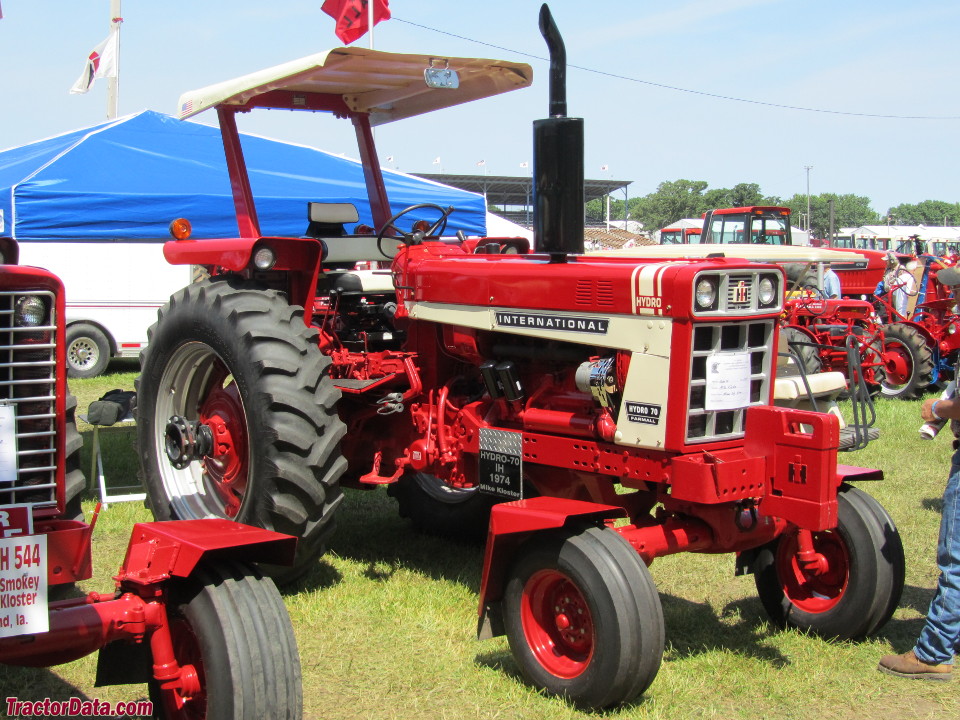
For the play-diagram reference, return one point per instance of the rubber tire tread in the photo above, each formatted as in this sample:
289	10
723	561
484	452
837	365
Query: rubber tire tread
873	584
891	549
290	402
246	640
627	615
75	481
465	519
808	354
921	356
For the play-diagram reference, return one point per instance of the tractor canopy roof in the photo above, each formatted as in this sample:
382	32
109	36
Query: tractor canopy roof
350	80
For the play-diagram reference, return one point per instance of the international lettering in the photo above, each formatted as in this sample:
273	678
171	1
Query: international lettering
598	326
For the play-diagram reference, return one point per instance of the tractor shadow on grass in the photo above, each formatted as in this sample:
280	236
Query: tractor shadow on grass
371	532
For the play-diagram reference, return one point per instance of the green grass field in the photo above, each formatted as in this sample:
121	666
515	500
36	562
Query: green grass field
386	620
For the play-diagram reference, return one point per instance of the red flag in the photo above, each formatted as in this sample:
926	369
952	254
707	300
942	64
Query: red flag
352	16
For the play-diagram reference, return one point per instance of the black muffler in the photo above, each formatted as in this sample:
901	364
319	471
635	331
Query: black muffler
558	207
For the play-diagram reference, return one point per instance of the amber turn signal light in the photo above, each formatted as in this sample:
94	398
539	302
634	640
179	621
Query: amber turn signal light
180	229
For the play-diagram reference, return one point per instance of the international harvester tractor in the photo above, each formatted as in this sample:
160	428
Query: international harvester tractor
189	614
590	414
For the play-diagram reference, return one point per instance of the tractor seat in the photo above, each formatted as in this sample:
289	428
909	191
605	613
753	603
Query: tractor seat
362	281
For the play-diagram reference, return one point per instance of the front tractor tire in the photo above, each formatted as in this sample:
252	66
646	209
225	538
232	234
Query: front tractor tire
859	587
908	361
232	635
236	416
583	617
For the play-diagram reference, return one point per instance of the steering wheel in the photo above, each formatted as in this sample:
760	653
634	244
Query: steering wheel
412	238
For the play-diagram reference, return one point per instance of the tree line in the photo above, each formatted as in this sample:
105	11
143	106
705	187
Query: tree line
678	199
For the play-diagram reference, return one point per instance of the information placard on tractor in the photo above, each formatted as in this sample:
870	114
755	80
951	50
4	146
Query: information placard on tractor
23	585
501	463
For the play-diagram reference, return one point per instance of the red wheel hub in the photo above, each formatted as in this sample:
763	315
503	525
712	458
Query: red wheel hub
898	363
557	623
226	464
814	587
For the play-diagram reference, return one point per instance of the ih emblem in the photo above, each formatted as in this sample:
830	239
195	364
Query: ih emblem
740	293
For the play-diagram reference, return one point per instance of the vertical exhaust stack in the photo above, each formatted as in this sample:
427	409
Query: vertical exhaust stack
558	210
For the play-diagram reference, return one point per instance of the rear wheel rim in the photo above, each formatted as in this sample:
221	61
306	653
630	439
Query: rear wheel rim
197	385
899	365
809	591
557	623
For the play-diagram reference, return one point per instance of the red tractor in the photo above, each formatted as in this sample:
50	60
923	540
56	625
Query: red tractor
589	413
186	598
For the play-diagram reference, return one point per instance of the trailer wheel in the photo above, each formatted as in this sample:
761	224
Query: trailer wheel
232	635
583	617
908	361
88	351
858	590
438	508
236	416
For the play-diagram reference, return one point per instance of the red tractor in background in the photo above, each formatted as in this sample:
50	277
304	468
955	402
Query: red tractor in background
590	413
186	596
896	357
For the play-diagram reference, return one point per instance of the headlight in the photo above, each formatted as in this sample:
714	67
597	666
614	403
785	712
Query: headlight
706	294
30	312
264	258
952	329
768	291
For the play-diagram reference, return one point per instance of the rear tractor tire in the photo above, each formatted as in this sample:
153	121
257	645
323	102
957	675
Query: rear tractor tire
236	416
908	360
583	617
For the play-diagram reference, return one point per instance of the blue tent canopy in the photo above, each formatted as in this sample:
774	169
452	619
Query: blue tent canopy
127	179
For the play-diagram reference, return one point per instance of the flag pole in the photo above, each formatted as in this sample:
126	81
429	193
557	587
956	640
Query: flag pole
370	20
113	83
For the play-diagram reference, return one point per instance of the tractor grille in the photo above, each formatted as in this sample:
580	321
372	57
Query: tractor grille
28	404
728	346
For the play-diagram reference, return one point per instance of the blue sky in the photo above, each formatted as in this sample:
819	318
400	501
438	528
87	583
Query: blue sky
850	60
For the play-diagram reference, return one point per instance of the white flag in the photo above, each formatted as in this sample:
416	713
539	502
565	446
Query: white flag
604	168
481	163
437	161
101	63
524	164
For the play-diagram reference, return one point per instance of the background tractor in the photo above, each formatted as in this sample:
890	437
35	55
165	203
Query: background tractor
187	598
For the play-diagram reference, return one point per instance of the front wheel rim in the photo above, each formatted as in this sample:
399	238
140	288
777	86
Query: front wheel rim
809	591
557	624
197	385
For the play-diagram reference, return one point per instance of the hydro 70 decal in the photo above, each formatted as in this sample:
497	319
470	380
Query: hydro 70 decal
647	290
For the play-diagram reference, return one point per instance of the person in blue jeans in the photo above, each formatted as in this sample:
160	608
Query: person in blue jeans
931	658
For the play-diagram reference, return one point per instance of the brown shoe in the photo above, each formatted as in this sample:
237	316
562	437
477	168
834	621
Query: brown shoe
908	665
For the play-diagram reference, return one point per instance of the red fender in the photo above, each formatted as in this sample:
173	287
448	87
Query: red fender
510	524
160	550
299	257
